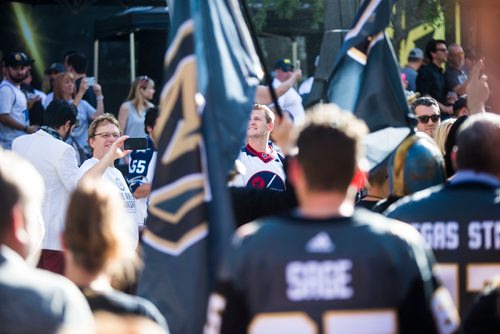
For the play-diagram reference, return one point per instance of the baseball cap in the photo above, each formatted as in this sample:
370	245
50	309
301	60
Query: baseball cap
284	64
460	103
55	68
17	58
416	53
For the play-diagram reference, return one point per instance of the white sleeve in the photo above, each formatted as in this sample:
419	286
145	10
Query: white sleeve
68	170
6	100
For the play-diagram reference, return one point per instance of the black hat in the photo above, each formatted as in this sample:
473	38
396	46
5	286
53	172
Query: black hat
460	103
284	64
55	68
17	58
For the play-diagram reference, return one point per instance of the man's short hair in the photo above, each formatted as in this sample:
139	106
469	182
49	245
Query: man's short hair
79	62
477	141
432	46
59	112
151	117
21	184
329	147
268	114
424	101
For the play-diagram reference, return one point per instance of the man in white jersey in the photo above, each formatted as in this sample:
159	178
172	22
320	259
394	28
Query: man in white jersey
264	166
291	100
14	117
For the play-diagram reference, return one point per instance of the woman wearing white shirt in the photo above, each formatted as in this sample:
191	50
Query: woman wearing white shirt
103	132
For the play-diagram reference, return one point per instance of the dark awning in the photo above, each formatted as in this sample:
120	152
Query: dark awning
132	20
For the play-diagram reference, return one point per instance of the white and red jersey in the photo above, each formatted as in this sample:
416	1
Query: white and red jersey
263	169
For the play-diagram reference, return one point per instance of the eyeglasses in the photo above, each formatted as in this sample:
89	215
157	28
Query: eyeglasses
425	119
442	50
107	135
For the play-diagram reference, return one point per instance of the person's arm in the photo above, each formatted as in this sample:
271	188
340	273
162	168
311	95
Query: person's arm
142	191
9	121
263	96
84	86
123	116
478	90
99	110
445	109
115	152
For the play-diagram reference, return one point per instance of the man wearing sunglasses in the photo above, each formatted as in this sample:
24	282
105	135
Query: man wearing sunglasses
427	111
430	79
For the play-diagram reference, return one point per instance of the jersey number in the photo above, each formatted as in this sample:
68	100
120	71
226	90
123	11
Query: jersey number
341	322
137	166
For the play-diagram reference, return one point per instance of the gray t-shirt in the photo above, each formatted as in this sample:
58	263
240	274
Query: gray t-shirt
13	102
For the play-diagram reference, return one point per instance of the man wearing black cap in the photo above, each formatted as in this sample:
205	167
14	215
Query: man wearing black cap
14	117
291	100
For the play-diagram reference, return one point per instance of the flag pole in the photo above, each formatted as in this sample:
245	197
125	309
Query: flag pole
260	54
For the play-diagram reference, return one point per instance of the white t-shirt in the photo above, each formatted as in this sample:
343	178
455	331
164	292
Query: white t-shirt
292	102
115	177
13	102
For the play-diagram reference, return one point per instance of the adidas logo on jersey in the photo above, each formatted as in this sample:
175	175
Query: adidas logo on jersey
320	243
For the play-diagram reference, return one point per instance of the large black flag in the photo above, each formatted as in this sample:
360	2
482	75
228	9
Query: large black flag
211	74
366	80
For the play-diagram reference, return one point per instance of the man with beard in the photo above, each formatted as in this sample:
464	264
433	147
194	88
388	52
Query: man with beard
14	117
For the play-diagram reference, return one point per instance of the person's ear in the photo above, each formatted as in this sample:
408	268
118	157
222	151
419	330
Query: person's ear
270	126
295	172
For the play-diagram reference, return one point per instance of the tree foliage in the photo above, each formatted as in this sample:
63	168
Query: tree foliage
409	14
285	9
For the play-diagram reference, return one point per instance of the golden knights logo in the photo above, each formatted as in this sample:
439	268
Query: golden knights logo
177	213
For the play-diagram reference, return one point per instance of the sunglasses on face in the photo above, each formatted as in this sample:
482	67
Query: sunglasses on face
425	119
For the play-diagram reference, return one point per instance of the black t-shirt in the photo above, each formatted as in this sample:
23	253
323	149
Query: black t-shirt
299	275
121	303
431	81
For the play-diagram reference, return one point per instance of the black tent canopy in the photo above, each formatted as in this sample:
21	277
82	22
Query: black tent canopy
132	20
125	24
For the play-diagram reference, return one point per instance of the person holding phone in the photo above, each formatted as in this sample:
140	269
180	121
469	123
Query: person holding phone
104	131
64	89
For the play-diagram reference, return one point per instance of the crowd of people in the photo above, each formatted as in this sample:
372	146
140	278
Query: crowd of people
308	254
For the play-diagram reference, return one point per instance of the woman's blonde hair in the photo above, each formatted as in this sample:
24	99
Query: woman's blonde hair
59	84
135	96
441	134
96	231
102	119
